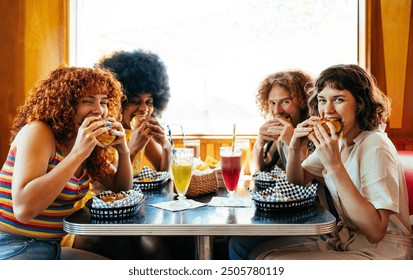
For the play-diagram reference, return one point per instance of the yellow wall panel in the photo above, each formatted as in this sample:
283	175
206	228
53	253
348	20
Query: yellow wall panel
395	27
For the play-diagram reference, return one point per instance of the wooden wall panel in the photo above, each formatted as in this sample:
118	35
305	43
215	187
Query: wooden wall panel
396	18
381	17
12	22
46	37
34	41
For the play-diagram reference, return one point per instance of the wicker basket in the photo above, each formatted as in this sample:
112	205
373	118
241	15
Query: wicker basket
202	184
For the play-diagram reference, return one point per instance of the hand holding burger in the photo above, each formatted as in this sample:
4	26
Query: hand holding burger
137	121
107	137
279	121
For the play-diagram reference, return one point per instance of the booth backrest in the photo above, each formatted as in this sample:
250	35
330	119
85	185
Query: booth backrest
406	158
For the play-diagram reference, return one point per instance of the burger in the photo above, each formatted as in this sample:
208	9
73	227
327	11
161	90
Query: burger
338	126
271	130
106	138
285	118
138	119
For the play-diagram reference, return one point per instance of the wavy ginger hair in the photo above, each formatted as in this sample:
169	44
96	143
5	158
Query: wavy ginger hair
294	81
54	100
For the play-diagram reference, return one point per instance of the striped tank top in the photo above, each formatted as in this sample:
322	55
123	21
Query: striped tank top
49	224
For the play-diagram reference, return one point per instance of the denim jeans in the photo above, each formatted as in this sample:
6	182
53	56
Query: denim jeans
15	247
240	247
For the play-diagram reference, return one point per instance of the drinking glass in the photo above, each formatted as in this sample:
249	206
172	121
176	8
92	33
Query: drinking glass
194	144
182	160
244	144
231	169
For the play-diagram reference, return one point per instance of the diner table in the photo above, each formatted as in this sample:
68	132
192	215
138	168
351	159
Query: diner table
205	222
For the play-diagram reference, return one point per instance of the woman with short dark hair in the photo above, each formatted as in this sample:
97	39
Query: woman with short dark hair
360	167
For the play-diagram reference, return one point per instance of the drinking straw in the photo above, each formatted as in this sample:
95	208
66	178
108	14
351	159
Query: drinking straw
170	135
233	138
183	133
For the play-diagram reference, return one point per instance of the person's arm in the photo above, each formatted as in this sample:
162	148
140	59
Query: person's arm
257	157
33	188
158	151
370	221
139	139
266	134
122	179
296	174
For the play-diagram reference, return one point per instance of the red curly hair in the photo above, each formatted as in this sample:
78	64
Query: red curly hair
54	100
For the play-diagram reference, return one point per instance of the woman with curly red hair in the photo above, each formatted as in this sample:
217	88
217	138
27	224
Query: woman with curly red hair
55	155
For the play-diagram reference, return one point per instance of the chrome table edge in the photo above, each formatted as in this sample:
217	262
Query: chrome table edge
193	230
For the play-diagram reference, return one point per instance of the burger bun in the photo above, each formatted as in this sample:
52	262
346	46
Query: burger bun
106	138
338	126
137	120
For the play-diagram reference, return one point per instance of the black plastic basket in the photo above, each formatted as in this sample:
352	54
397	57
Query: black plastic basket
115	213
285	216
150	186
262	185
272	206
128	220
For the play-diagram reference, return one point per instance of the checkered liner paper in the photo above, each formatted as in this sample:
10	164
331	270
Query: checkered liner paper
284	191
148	173
134	197
269	176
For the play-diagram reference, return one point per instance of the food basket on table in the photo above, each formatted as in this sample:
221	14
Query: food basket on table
284	196
110	205
264	180
202	183
296	216
148	179
204	178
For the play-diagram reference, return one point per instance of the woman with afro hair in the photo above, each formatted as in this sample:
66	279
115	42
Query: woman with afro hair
55	155
145	83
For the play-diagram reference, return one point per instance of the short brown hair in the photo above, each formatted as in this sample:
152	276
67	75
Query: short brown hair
373	105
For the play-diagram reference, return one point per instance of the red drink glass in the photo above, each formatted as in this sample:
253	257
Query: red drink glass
231	169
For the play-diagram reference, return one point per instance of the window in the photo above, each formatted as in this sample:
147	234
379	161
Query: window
218	51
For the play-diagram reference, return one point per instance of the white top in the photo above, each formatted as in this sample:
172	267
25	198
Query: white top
375	169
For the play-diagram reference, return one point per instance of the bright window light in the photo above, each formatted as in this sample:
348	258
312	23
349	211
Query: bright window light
218	51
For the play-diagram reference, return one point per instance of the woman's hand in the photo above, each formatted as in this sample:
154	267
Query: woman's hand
120	142
86	136
327	146
302	130
141	134
158	133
